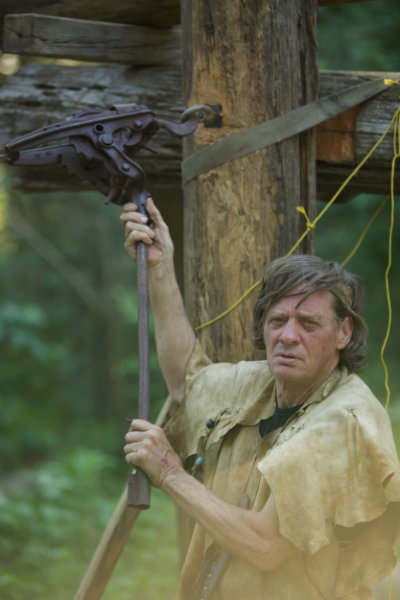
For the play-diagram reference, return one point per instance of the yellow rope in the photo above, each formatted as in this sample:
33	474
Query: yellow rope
310	224
396	155
234	305
364	233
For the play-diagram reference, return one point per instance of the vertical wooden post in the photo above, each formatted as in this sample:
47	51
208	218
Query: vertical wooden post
258	60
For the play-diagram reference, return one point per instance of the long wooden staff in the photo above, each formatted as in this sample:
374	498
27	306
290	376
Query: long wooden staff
112	542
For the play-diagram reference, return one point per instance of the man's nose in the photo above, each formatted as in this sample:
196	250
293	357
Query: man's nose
289	334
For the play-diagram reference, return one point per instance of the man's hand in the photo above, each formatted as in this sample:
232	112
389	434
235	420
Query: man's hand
156	236
148	448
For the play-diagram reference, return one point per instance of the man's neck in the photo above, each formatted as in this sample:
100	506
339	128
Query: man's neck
292	395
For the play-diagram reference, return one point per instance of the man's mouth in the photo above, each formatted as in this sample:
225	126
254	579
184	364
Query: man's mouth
287	358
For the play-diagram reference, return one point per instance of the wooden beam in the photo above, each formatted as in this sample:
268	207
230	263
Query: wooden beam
157	13
59	37
41	94
342	142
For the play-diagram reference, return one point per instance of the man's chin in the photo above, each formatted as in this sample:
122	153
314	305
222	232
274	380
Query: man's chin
290	372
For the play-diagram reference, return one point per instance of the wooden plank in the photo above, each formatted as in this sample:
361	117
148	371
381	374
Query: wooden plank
59	37
157	13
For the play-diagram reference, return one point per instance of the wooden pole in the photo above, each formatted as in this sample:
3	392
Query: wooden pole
112	543
258	60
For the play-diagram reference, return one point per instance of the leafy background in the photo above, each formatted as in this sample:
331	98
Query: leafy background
69	360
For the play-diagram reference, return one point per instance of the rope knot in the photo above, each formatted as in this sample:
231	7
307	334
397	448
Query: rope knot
309	224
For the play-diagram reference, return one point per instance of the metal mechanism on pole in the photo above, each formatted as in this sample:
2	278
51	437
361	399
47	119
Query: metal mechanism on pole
99	146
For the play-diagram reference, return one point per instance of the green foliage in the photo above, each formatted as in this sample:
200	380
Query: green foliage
69	379
361	36
336	235
51	519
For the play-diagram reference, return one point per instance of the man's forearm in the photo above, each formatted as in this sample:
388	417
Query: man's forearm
253	536
175	337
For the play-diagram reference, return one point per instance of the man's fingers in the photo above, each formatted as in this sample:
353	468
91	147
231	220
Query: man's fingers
155	213
133	216
133	236
141	425
130	206
139	227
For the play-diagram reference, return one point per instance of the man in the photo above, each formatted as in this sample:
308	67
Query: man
299	436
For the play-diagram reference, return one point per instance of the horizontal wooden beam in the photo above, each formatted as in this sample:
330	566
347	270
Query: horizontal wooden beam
60	37
41	94
157	13
342	142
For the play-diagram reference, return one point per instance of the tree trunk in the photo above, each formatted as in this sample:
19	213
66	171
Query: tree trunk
258	60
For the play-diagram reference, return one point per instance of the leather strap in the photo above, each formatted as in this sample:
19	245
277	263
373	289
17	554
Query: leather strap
276	130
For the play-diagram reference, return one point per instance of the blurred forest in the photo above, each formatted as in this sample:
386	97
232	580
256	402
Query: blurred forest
69	356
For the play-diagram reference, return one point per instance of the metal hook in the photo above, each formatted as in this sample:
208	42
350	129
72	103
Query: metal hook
209	114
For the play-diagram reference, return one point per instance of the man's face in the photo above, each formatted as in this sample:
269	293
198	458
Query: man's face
303	340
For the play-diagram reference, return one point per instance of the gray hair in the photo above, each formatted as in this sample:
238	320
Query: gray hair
286	273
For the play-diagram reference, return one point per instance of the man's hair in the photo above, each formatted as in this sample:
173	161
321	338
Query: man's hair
286	273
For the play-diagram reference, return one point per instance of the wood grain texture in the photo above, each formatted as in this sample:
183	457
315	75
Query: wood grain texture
256	59
79	39
344	141
159	13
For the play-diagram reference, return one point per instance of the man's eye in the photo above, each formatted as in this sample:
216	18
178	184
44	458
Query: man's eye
276	321
309	323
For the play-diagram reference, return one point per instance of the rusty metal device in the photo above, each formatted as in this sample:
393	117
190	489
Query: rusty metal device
100	146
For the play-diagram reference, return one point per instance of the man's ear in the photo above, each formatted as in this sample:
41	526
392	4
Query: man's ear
345	332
